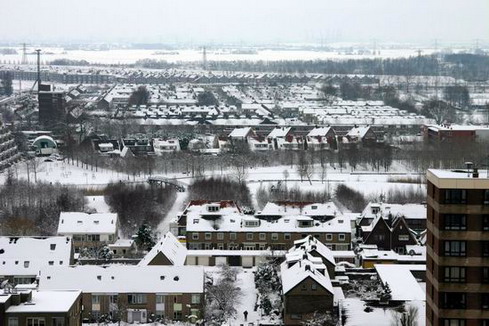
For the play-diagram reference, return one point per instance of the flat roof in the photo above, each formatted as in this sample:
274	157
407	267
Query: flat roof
458	179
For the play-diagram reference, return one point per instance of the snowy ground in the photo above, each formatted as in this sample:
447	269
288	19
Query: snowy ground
177	207
97	203
356	316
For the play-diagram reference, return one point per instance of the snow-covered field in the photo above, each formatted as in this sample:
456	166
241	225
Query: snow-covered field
130	56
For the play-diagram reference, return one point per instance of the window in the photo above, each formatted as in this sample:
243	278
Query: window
138	298
303	287
52	246
485	222
314	287
232	236
195	298
486	197
403	237
485	274
455	196
220	236
454	274
95	299
58	321
295	316
249	236
485	248
252	223
341	237
453	300
380	237
453	322
485	301
212	208
195	236
455	248
274	236
455	221
263	236
36	322
329	236
160	298
208	236
26	264
13	321
177	315
287	236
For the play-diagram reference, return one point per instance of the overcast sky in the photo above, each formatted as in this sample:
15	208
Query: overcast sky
244	21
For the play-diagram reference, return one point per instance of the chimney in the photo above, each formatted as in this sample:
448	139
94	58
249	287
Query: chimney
475	173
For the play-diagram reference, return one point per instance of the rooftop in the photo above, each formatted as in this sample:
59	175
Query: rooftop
84	223
46	302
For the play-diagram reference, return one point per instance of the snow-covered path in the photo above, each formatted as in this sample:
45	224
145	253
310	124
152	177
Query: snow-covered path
246	282
177	207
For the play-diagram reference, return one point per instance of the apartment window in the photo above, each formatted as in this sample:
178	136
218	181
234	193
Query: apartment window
454	300
249	236
485	248
232	236
274	236
287	236
485	301
220	236
13	321
453	322
455	222
454	274
485	222
486	197
485	274
455	248
455	196
137	298
36	322
208	236
195	298
58	321
195	236
263	236
329	237
341	237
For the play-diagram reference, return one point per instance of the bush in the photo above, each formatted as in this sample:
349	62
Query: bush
279	192
351	199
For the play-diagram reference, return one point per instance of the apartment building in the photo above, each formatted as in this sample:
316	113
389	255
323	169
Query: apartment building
222	225
457	276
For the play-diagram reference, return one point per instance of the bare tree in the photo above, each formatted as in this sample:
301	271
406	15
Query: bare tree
406	318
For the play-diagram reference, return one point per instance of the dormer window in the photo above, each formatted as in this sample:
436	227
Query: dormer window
96	222
212	208
314	207
26	264
196	221
79	222
53	246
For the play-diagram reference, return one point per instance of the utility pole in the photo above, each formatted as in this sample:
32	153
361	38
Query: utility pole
38	51
24	54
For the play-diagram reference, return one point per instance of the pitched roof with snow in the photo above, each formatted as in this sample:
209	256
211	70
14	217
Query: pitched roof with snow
169	247
319	132
240	132
25	256
279	132
358	132
310	244
84	223
295	274
401	281
409	211
47	302
299	208
124	279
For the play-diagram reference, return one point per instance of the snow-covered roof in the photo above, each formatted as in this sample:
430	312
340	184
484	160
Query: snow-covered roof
310	244
240	132
295	274
358	132
279	132
401	281
84	223
299	208
47	302
25	256
409	211
169	247
124	279
319	132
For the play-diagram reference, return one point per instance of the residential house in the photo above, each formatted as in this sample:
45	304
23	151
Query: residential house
88	230
414	214
321	138
169	145
364	135
306	289
40	308
21	258
132	293
168	251
312	246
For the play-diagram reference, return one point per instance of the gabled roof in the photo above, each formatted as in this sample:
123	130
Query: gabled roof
279	132
310	244
319	132
294	275
27	255
241	132
124	279
84	223
169	247
358	132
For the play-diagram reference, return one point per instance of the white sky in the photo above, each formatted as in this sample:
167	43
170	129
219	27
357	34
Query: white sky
247	21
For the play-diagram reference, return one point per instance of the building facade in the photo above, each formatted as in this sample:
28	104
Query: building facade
457	276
